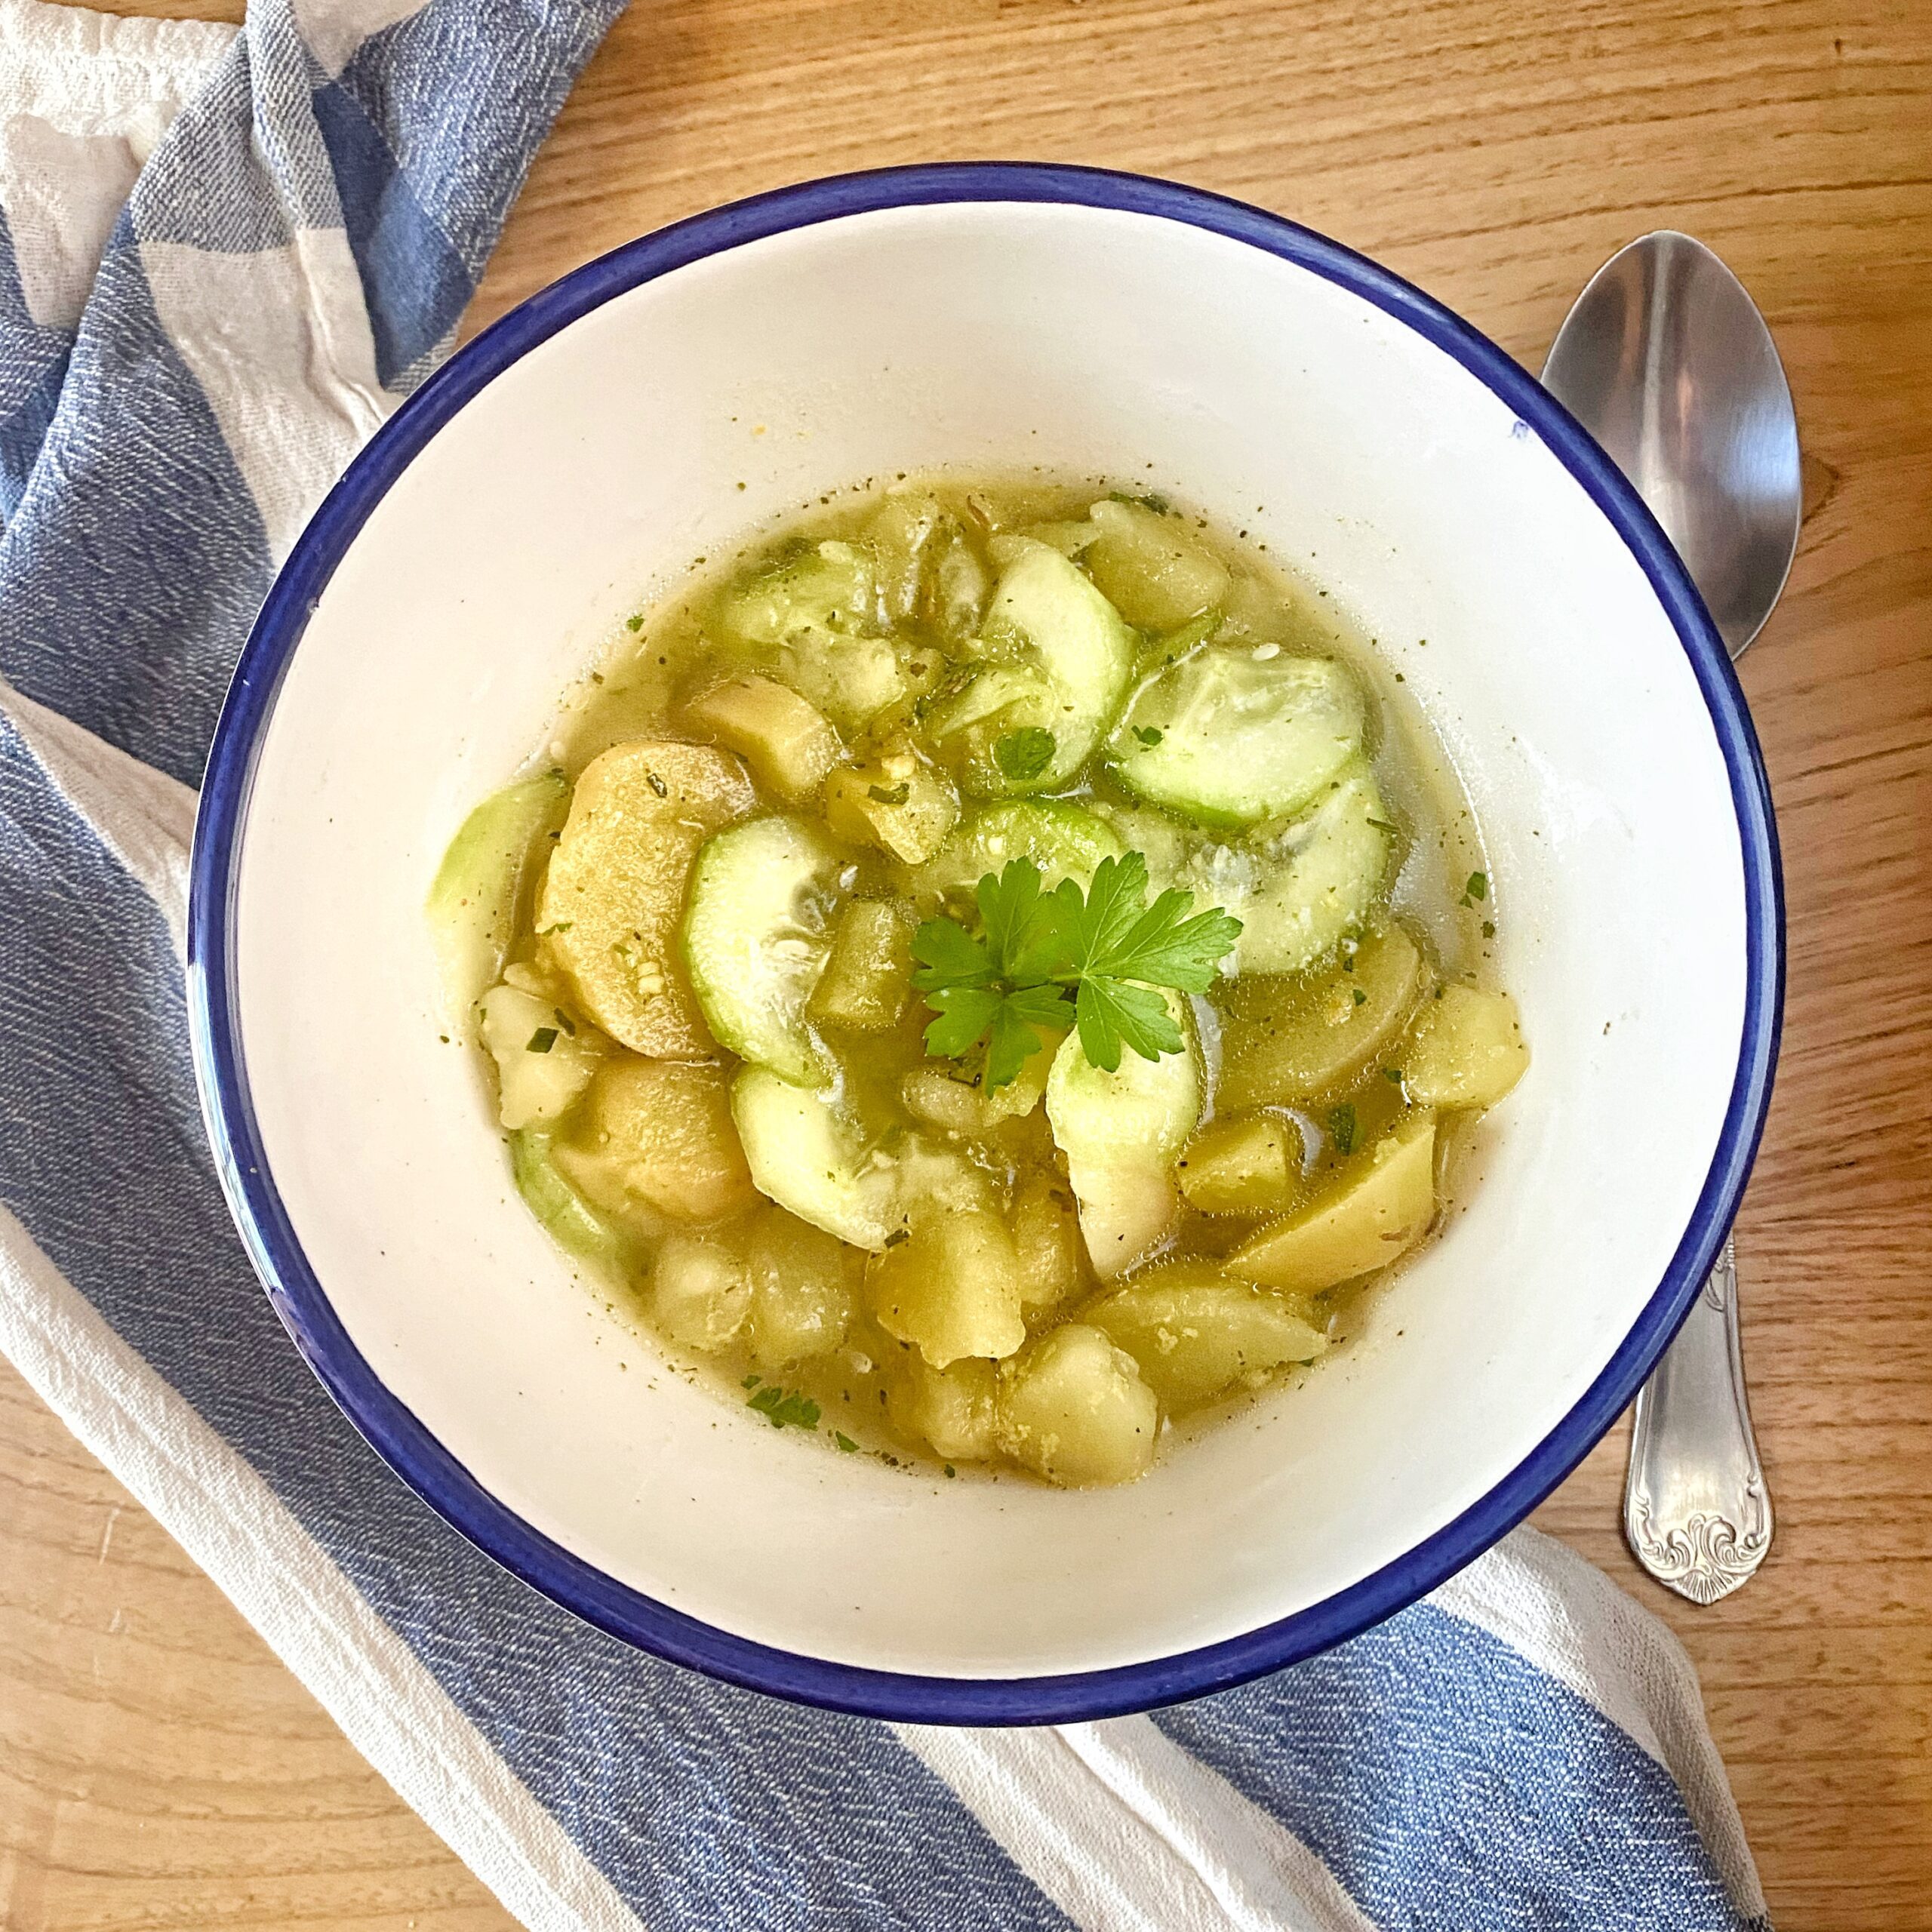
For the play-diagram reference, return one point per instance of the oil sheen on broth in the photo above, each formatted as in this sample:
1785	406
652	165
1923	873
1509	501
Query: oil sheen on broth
687	950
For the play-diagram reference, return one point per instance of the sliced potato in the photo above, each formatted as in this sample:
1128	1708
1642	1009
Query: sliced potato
952	1287
1148	567
700	1293
952	1408
936	1099
608	914
868	975
901	803
1196	1331
1381	1208
1028	1087
1127	1211
959	1103
542	1063
1248	1165
1284	1041
802	1302
1046	1237
1073	1407
787	742
1121	1133
1466	1050
659	1133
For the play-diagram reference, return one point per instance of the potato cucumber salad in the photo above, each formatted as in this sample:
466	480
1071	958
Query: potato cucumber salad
989	975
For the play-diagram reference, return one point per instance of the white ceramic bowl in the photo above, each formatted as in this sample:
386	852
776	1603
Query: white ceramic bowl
662	403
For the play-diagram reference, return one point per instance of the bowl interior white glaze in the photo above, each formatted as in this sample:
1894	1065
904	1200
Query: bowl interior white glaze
670	421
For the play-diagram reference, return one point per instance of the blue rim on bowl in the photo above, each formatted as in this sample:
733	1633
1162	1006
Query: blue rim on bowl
430	1469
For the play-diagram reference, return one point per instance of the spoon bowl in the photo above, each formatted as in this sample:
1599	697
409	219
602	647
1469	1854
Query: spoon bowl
1666	360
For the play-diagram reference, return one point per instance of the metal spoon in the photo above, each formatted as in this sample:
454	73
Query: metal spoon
1665	360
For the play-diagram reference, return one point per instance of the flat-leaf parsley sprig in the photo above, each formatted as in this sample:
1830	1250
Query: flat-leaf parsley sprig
1045	962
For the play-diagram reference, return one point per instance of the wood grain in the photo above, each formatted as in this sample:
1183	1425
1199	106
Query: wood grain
157	1768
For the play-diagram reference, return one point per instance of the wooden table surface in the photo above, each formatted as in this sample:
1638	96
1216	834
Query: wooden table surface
159	1767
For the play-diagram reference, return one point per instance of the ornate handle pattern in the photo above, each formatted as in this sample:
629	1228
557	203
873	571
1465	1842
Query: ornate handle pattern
1696	1510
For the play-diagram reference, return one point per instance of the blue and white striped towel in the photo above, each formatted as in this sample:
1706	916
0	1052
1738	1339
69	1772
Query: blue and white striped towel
223	258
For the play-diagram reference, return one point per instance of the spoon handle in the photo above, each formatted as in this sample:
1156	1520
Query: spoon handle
1696	1509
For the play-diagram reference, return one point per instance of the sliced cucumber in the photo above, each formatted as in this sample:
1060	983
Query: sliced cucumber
904	532
1162	841
554	1202
490	866
805	1155
833	587
1121	1134
1062	655
1231	738
755	940
1299	893
928	572
851	679
1064	840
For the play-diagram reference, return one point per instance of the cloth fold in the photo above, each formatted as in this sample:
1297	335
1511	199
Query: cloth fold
223	257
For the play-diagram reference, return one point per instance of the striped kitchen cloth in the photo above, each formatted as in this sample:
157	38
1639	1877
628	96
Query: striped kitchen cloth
224	256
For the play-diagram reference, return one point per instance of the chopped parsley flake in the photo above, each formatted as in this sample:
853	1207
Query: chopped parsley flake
843	1440
1361	998
1149	735
1023	754
892	794
1342	1127
783	1407
542	1041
